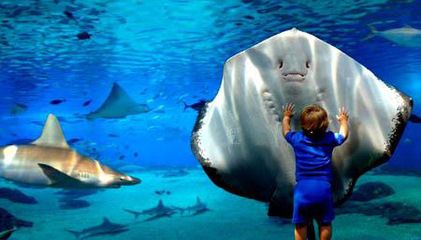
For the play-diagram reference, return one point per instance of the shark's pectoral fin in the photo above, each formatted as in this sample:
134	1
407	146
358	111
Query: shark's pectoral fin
58	178
280	204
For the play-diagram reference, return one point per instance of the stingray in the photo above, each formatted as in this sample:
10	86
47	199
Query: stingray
237	136
118	105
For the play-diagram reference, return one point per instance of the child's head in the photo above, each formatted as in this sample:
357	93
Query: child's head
314	120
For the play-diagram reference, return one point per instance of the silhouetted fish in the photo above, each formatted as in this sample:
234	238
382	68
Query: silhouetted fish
75	194
162	192
175	173
20	141
17	11
86	103
73	140
9	224
196	106
16	196
83	36
18	108
73	204
122	157
57	101
69	14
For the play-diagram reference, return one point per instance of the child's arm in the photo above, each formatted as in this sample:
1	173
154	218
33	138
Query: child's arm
288	110
343	122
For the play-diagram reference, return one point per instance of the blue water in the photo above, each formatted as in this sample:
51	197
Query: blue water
164	53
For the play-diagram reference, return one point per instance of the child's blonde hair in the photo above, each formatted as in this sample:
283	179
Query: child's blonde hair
314	121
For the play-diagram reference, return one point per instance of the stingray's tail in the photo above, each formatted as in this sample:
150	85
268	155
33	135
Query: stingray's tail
373	32
414	118
185	106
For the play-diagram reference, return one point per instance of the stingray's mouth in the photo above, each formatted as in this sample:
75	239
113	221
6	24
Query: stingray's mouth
293	77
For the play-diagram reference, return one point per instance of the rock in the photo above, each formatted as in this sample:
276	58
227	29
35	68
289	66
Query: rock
372	190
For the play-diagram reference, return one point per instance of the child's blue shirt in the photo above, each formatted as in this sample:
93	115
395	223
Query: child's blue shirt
314	157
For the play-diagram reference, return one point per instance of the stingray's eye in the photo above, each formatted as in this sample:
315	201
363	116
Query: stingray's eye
280	64
308	64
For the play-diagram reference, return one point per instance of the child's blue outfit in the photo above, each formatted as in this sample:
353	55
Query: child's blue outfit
313	194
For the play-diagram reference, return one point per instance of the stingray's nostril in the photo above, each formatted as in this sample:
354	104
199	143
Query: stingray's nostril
308	64
280	64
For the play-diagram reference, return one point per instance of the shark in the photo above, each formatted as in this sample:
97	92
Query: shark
198	208
49	161
406	36
237	136
118	104
159	211
105	228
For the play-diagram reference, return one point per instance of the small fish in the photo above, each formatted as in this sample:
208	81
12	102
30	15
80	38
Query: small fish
18	108
160	109
69	14
196	106
122	157
112	135
161	192
86	103
83	36
57	101
135	154
73	140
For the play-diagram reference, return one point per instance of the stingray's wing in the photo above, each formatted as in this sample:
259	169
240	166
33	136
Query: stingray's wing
237	136
118	105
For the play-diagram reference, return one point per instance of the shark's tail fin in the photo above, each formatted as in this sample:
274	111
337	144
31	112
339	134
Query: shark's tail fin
75	233
135	214
373	32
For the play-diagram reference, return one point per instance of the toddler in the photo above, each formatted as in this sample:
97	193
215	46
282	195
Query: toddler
313	147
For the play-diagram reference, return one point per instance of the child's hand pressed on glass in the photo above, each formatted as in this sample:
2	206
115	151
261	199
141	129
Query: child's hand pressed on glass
288	110
343	115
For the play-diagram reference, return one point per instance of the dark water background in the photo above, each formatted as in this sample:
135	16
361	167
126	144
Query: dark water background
166	52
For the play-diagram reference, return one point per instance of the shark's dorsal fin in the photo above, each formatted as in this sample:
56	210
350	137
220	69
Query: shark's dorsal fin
160	204
105	221
52	135
198	200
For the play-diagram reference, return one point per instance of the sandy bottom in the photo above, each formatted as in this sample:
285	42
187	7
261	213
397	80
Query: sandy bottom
231	217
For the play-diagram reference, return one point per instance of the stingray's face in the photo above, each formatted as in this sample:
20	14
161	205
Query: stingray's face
293	68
